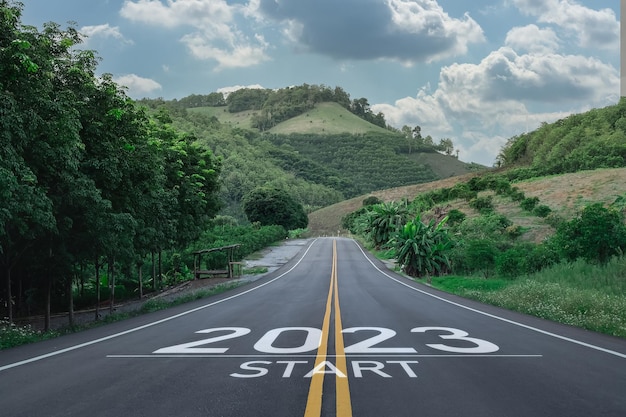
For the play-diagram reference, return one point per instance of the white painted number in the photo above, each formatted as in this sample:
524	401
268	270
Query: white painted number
312	341
367	345
191	346
308	339
482	346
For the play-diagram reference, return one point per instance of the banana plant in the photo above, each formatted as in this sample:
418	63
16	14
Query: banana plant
422	249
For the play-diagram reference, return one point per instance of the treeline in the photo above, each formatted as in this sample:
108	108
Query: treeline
276	106
89	183
591	140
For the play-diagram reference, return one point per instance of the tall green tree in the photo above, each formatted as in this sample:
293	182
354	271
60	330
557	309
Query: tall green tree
274	206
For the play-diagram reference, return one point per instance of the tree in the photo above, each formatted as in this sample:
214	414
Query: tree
274	206
596	235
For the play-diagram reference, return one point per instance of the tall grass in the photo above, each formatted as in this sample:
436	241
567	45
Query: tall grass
589	296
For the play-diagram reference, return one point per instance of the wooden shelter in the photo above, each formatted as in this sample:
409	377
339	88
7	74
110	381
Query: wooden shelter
230	272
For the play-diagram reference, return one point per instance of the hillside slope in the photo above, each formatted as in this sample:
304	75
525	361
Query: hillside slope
565	194
326	118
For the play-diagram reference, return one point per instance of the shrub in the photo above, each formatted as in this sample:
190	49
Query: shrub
516	194
542	211
514	231
455	217
596	235
483	205
489	227
529	204
526	258
554	220
371	200
462	190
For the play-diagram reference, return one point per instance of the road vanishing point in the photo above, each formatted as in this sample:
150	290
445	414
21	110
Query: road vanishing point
331	333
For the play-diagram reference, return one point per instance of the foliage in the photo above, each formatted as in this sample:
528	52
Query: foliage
484	205
591	140
365	162
596	235
473	256
530	203
385	220
456	217
525	258
578	294
89	179
422	249
542	210
371	200
12	335
273	206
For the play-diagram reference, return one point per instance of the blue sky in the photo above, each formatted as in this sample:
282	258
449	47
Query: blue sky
475	71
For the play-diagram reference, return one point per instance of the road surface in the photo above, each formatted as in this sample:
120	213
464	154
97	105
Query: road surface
331	333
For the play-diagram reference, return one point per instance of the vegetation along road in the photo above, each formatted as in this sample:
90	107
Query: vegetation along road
331	333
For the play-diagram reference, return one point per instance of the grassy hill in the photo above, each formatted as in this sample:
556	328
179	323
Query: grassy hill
326	119
324	155
565	194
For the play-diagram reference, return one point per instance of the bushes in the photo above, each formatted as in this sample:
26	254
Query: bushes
529	204
484	205
596	235
525	258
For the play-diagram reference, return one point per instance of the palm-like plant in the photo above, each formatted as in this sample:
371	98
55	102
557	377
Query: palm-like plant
385	220
422	249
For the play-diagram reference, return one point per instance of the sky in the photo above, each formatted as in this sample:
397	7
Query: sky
476	71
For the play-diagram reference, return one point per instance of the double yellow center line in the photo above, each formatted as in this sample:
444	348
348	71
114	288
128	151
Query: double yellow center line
314	402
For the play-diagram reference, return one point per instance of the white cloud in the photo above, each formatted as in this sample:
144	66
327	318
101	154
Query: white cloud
532	39
214	36
593	28
427	19
485	104
103	31
138	87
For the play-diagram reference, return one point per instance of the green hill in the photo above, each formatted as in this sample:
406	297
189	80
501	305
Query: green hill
590	140
315	143
326	119
566	165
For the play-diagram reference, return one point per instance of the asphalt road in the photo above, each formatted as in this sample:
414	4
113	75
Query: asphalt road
331	333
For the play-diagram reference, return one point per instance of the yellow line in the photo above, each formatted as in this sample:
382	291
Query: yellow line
314	400
344	405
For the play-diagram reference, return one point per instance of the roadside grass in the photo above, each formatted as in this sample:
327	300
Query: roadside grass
12	335
592	297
